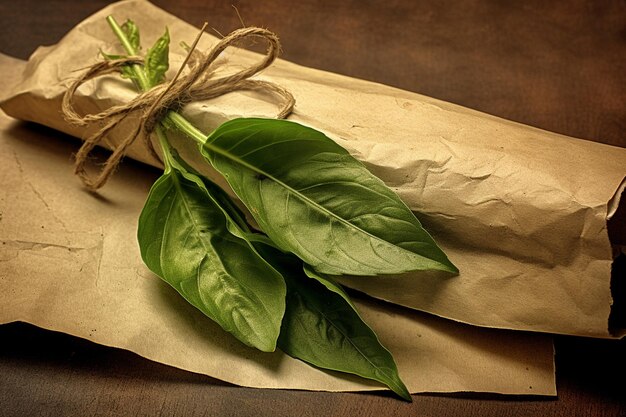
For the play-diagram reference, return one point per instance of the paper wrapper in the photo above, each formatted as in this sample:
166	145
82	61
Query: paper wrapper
69	262
522	212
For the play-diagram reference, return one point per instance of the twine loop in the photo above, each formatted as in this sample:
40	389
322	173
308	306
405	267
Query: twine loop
196	84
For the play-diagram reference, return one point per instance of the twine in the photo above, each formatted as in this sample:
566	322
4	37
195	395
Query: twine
152	105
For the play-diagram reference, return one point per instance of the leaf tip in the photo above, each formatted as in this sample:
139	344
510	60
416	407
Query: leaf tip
450	267
402	391
264	344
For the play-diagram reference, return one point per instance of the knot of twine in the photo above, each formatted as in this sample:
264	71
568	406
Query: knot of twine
152	105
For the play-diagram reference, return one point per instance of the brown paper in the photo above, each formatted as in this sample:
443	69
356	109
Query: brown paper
522	212
69	262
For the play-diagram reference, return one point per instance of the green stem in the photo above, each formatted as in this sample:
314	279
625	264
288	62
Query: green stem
165	147
144	84
184	125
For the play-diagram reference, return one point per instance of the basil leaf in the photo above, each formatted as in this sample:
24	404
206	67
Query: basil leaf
184	238
126	70
131	31
157	60
322	327
314	199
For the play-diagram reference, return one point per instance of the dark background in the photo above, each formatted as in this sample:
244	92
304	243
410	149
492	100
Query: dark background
557	65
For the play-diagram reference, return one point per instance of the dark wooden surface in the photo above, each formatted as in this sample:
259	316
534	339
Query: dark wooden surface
560	66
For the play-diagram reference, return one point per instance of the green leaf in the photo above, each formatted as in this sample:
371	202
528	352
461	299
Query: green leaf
322	327
157	60
126	70
131	31
313	199
185	238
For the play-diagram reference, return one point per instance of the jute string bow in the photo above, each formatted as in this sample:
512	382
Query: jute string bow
195	85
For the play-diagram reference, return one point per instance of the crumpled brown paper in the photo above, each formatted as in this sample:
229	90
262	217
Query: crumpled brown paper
69	262
522	212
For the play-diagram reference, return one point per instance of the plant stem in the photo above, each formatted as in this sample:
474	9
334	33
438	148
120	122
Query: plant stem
184	125
144	84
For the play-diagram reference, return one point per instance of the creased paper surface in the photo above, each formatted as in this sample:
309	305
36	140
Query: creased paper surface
522	212
69	262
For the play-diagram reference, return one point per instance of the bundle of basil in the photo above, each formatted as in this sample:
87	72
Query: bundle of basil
321	213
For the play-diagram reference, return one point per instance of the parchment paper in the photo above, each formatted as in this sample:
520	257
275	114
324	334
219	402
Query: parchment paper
69	261
522	212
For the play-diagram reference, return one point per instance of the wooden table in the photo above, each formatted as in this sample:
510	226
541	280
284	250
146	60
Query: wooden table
560	66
